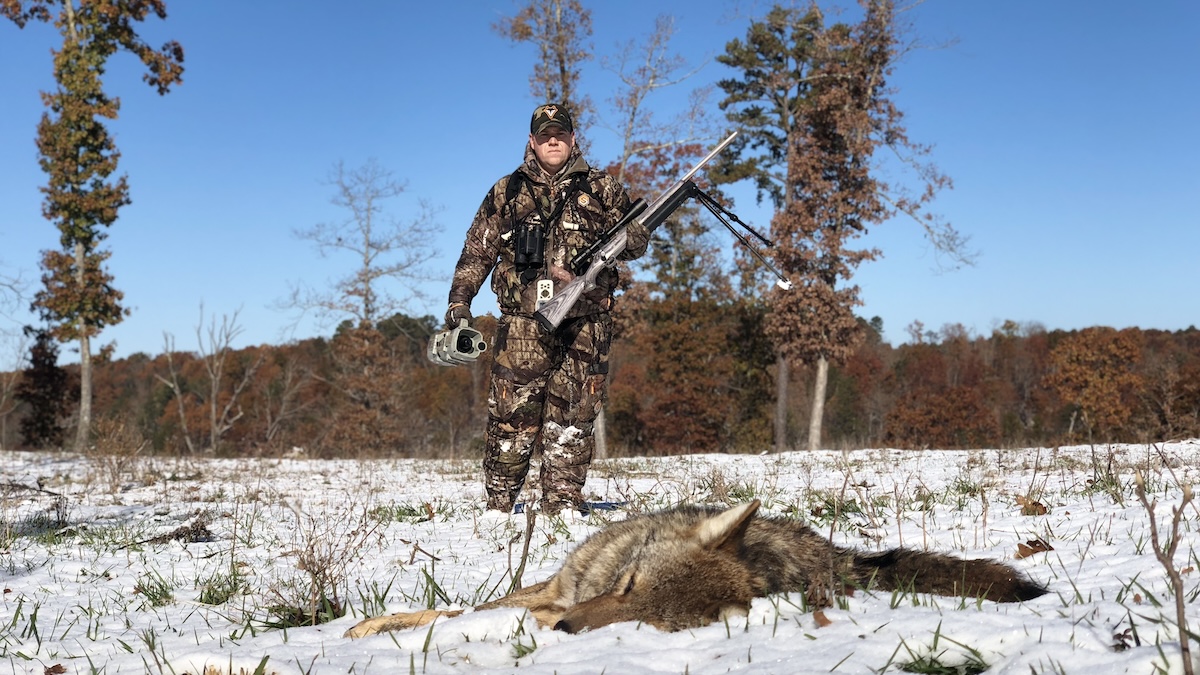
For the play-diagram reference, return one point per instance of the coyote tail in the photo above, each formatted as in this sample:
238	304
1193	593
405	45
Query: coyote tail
923	572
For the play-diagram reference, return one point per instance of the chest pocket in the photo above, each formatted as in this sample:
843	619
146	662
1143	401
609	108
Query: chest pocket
584	218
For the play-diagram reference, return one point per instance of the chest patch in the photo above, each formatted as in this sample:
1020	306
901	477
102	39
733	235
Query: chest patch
584	200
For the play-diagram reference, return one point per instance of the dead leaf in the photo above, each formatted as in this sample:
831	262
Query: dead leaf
1031	547
56	669
1123	640
1030	507
821	619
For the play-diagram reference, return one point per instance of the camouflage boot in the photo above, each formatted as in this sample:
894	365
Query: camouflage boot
505	464
565	459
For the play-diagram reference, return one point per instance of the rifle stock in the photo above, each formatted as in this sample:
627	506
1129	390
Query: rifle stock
551	314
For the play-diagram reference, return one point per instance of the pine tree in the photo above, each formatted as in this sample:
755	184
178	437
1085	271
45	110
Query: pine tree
815	103
78	299
43	387
766	105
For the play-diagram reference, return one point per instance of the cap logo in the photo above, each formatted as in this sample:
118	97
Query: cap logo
548	114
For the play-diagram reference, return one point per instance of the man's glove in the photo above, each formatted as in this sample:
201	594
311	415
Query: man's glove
456	312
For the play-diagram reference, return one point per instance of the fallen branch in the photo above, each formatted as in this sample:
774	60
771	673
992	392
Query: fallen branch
6	487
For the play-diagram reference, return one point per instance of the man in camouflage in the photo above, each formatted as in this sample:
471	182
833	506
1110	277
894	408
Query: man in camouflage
546	388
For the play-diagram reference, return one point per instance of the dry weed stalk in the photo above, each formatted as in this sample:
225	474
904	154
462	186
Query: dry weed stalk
115	453
1167	464
1166	557
529	496
530	519
327	545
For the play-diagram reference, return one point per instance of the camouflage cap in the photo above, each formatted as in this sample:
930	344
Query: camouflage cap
551	113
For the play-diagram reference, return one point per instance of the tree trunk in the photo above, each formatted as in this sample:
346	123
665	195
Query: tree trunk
818	404
599	432
478	375
782	375
84	430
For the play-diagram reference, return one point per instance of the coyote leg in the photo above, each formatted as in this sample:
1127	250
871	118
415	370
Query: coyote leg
538	599
383	624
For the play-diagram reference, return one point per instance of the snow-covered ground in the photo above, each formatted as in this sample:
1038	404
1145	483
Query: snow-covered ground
174	566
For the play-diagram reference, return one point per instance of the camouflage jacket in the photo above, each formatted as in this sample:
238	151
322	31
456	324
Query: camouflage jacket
588	212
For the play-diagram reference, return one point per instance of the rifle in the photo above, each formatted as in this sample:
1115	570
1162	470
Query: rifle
604	251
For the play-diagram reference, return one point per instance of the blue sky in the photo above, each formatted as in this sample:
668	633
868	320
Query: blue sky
1069	128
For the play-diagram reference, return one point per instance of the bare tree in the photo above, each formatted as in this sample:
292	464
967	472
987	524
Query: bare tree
558	30
177	390
280	398
222	408
645	66
386	249
651	150
12	293
9	379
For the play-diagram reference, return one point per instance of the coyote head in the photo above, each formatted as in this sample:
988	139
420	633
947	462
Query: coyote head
670	573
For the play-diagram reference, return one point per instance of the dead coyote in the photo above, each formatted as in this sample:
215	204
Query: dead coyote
691	566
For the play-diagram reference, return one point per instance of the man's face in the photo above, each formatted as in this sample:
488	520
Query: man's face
552	147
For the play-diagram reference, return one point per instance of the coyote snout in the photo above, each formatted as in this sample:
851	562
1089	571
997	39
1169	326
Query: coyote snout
691	566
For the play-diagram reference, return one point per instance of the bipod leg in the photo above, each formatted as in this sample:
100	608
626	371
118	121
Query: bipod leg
721	213
718	209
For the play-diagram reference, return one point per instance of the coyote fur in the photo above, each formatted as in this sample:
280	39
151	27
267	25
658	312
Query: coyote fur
691	566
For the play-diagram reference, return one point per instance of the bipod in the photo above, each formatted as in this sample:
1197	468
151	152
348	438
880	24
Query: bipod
725	215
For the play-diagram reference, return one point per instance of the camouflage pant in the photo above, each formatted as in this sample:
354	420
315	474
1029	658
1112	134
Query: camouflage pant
545	394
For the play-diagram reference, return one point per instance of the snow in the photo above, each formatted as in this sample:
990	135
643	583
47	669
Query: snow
79	574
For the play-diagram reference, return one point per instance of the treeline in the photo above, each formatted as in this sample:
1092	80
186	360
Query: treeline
702	379
693	376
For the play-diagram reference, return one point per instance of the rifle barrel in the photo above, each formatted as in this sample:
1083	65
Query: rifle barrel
694	170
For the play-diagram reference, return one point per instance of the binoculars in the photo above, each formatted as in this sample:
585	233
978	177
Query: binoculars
456	346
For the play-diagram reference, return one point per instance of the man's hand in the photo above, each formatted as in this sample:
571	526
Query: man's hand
561	274
456	312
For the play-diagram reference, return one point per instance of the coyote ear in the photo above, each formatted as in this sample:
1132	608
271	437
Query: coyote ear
728	527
